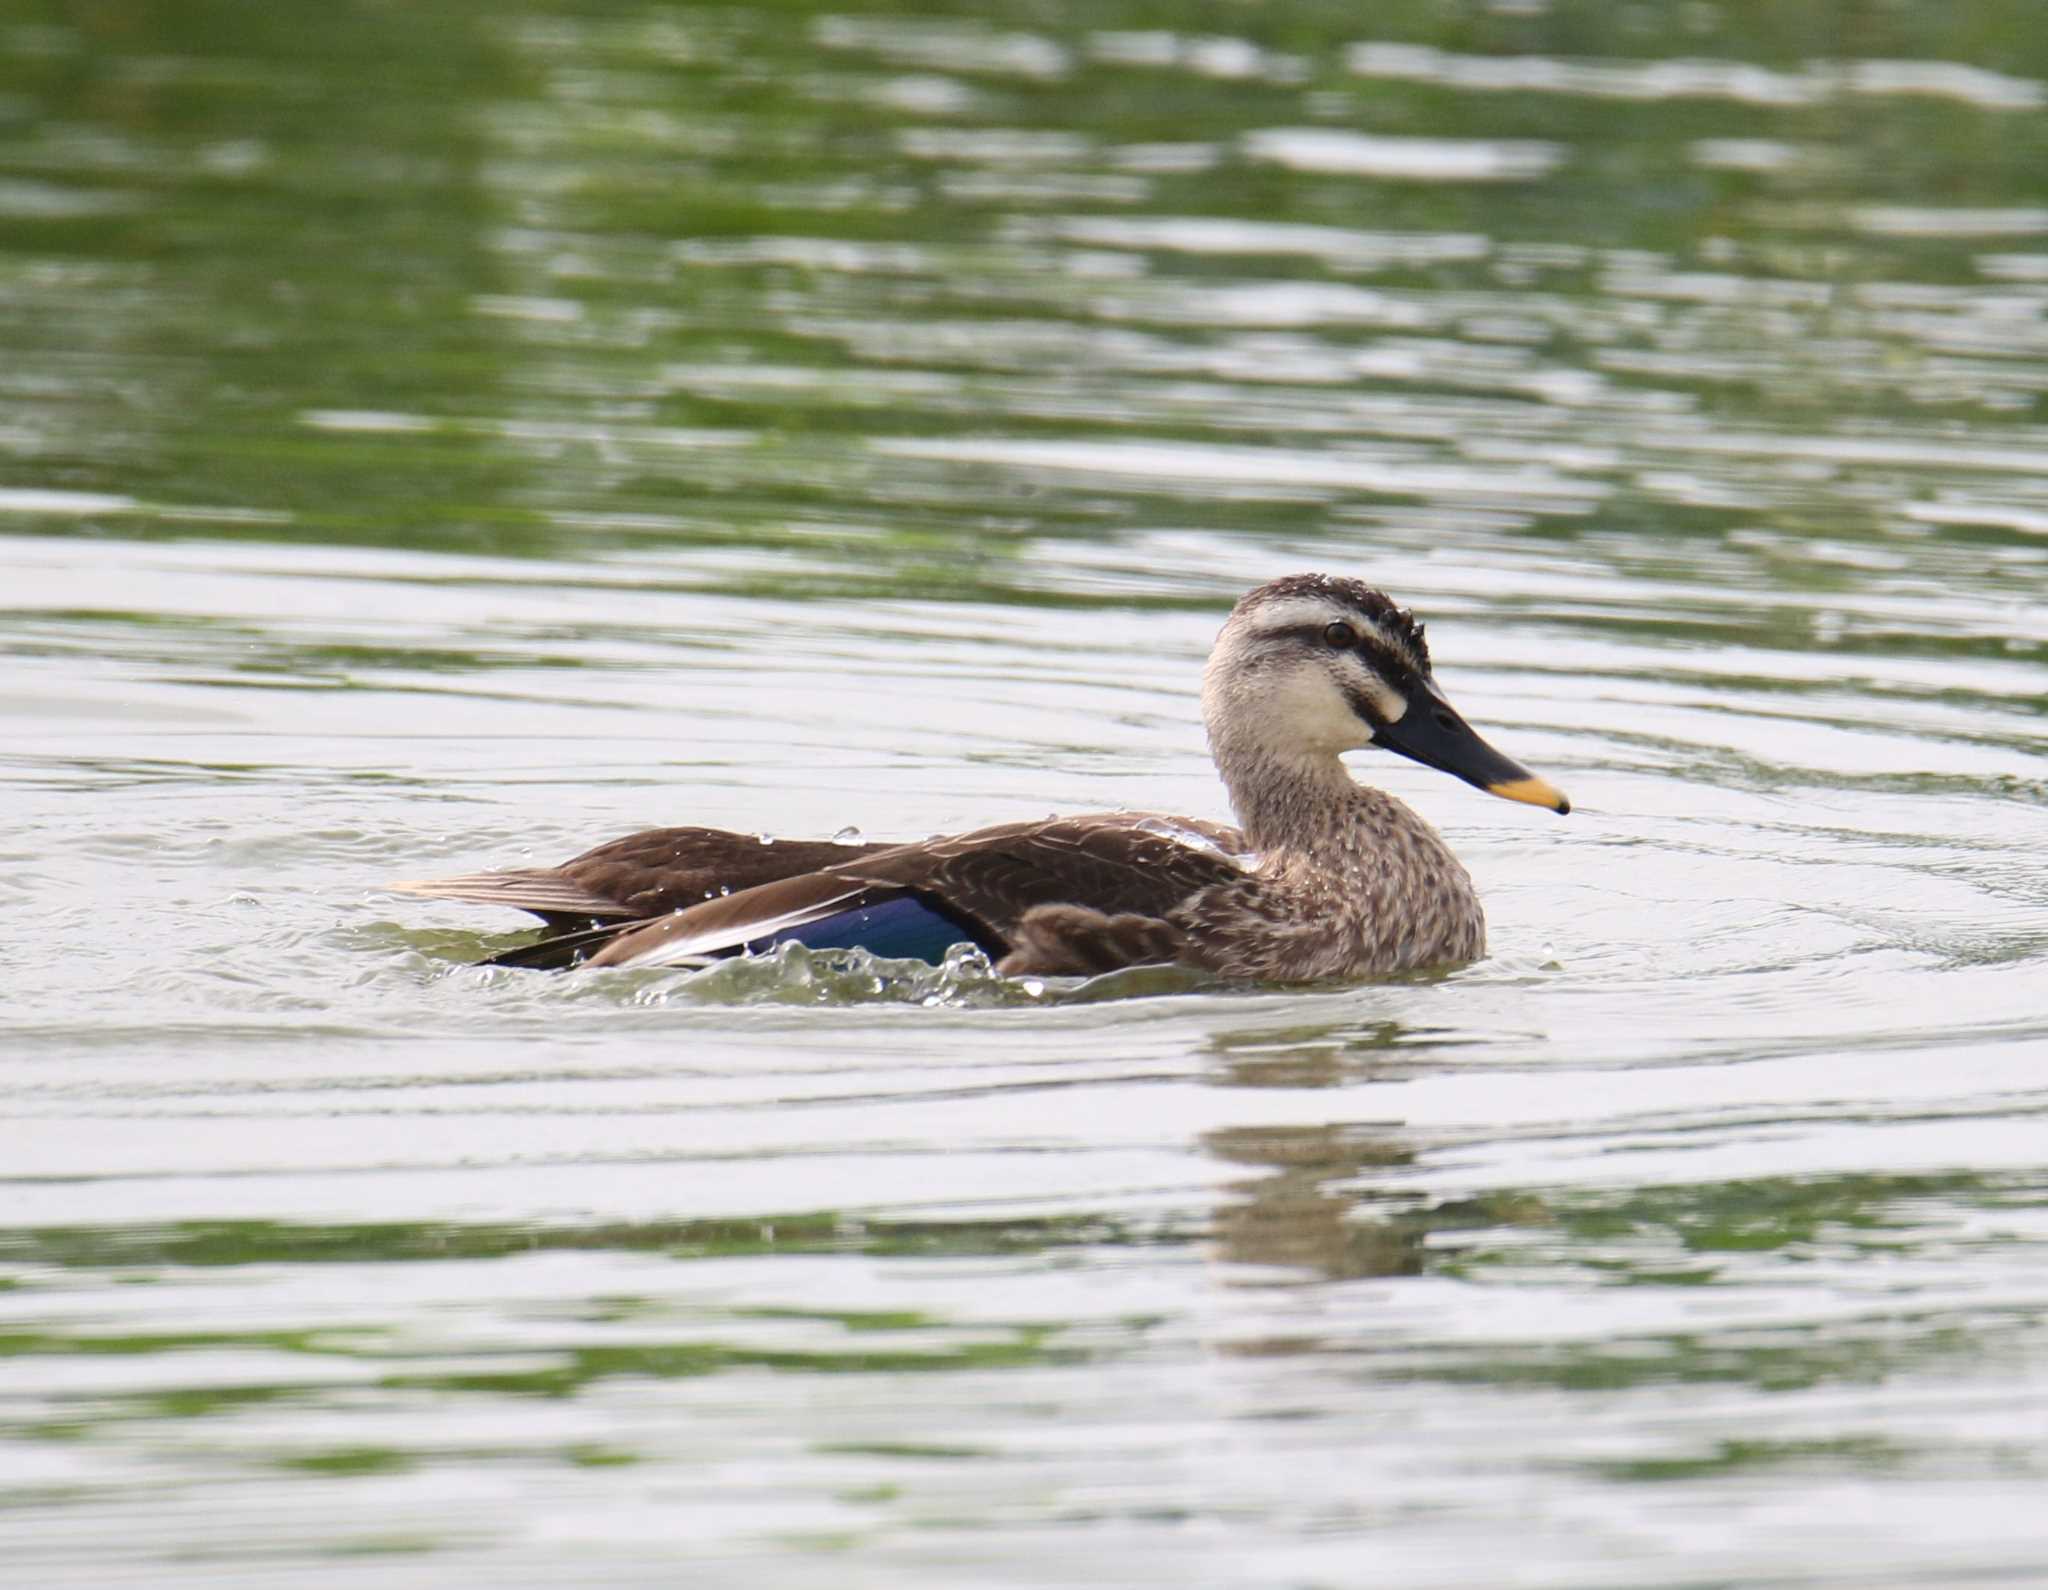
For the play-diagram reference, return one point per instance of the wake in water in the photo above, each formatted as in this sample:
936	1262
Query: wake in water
794	974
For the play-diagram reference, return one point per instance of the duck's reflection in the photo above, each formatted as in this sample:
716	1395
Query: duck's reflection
1322	1206
1311	1213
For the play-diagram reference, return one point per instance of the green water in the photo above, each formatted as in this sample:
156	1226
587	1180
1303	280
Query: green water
438	436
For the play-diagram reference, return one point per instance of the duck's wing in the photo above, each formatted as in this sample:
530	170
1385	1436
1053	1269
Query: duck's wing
754	919
1114	862
560	951
642	875
977	887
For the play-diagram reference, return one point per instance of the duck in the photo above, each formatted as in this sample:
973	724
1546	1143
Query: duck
1322	877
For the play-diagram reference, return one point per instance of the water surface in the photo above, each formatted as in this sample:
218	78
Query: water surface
439	437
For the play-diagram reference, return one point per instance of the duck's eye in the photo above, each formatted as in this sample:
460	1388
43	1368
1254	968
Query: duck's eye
1340	636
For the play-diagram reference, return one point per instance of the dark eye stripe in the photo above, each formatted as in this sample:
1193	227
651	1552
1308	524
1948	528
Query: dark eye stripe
1388	664
1313	634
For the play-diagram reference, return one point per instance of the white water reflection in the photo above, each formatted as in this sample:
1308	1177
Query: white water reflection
1256	468
1897	220
1697	78
1341	247
944	45
1404	159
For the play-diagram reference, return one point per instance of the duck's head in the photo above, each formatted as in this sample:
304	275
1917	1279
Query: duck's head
1316	664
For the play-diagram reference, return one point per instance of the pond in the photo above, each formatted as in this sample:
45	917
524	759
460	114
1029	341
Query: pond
443	436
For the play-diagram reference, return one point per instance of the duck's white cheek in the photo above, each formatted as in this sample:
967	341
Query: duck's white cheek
1388	702
1311	711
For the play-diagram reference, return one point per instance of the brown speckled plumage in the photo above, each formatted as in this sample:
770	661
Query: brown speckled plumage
1386	896
1324	877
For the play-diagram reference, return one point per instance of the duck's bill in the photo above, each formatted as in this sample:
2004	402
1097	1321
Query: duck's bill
1432	733
1533	790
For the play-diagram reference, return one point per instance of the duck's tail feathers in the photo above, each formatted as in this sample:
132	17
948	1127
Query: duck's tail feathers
542	890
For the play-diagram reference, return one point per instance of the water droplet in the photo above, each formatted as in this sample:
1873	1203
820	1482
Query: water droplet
849	835
1180	833
763	839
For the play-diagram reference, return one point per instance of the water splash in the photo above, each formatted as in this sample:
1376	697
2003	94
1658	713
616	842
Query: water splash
1187	834
794	974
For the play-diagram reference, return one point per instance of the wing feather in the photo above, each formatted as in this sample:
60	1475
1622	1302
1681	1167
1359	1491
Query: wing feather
1119	864
1133	868
642	875
734	921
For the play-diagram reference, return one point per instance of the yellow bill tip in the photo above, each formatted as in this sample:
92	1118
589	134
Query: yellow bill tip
1532	790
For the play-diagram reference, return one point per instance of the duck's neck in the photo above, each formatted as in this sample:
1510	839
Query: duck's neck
1302	800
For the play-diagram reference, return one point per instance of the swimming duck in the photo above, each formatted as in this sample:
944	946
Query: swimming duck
1323	877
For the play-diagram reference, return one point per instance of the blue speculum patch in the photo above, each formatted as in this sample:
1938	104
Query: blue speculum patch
904	928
